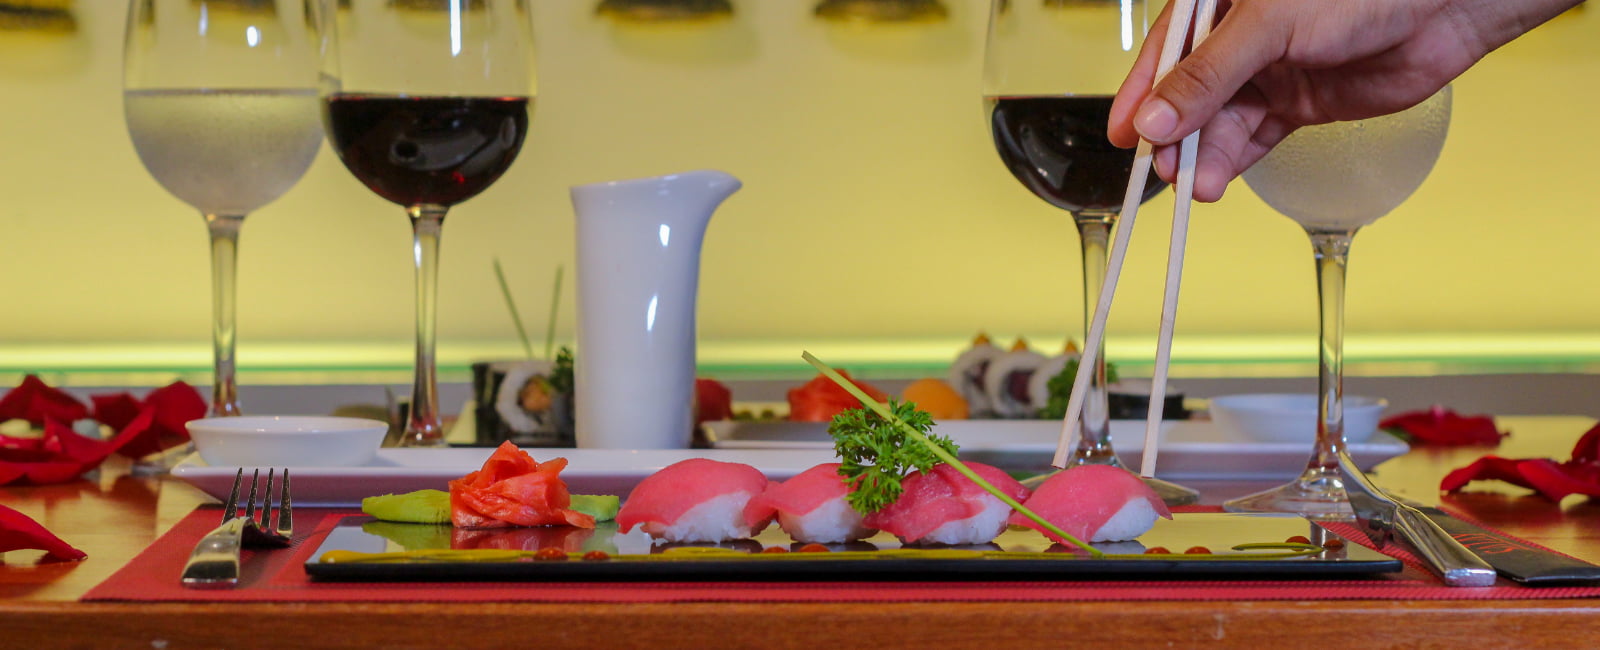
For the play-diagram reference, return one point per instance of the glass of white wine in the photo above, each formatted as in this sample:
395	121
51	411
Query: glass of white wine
220	98
1333	179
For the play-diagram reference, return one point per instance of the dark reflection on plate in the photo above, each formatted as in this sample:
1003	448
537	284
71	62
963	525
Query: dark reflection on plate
846	546
741	545
1128	547
411	537
991	546
567	538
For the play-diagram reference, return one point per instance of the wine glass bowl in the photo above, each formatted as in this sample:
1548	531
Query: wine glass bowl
1050	72
427	104
1333	179
220	100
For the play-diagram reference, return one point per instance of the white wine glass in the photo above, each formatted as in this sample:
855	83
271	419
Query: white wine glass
1050	72
427	104
220	98
1333	179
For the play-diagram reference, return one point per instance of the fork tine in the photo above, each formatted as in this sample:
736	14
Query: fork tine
230	509
250	505
266	501
285	524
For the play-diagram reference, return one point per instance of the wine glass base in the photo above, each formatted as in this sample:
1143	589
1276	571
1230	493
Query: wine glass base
1171	493
161	462
1294	498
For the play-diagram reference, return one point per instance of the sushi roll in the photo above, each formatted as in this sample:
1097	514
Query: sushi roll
1005	383
1039	381
1094	503
967	372
811	507
695	500
941	506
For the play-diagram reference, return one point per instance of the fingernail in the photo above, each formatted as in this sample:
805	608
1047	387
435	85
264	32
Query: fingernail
1156	120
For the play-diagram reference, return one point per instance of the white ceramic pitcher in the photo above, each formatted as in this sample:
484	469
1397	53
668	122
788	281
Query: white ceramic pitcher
638	273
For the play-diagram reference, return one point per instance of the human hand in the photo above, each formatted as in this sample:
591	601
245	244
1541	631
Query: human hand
1272	66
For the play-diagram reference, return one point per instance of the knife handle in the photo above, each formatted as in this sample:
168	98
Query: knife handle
1456	565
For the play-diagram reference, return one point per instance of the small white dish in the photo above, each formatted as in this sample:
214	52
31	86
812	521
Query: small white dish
287	440
1292	417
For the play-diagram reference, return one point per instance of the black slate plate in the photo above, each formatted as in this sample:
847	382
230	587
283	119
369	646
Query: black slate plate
1015	555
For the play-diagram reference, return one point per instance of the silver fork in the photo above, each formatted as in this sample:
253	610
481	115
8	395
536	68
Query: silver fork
215	560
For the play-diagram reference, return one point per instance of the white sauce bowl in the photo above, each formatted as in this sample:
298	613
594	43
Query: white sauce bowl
287	441
1281	417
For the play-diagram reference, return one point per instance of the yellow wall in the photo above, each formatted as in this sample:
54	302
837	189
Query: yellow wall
875	214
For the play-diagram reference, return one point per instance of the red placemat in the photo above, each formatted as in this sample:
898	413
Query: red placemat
279	575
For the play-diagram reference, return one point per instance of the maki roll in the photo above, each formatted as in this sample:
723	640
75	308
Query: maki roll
811	507
1094	503
695	500
967	373
941	506
1005	383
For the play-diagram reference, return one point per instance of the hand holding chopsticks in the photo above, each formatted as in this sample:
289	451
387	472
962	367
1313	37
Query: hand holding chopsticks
1184	13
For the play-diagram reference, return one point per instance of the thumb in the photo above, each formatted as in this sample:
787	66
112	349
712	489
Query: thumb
1243	43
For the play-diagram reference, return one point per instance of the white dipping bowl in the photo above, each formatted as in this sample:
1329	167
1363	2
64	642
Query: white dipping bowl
1278	417
287	441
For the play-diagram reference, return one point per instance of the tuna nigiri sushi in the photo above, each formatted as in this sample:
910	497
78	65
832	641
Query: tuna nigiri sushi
1095	503
811	507
695	500
941	506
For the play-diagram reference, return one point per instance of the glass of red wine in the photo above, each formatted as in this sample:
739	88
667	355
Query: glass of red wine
1051	68
427	103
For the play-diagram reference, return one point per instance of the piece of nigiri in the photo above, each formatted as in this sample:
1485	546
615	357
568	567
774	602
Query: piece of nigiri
695	500
811	507
1094	503
941	506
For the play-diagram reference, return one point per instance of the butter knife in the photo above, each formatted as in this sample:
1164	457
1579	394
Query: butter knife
1383	519
214	563
1512	558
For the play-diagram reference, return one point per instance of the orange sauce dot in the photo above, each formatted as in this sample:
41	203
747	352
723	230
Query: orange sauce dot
550	554
594	556
813	548
1157	550
1333	543
1197	550
1298	539
774	549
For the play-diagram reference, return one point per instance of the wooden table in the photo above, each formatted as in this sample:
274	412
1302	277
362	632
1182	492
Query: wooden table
115	516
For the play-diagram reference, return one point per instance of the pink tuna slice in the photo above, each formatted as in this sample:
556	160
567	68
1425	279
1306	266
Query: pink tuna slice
664	496
940	496
1080	500
799	495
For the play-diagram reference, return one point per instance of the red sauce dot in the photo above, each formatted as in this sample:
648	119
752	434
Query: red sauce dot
1157	550
813	548
774	549
1298	539
550	554
1333	543
594	556
1197	550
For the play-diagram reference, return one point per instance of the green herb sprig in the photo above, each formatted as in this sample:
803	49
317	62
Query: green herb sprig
944	455
876	456
1060	389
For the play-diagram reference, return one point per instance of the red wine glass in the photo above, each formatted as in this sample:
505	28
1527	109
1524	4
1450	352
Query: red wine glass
1050	71
427	103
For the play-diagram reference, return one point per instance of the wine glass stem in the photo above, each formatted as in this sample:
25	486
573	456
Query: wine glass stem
1332	251
224	262
1094	441
422	425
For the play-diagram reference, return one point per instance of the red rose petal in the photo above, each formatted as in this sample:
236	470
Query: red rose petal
35	401
1555	481
1488	468
1441	426
1588	448
170	407
19	531
115	411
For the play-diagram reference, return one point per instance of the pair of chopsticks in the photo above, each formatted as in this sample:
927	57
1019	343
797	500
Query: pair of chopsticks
1200	14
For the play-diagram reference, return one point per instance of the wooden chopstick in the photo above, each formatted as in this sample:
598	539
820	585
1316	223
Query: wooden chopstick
1183	15
1187	152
